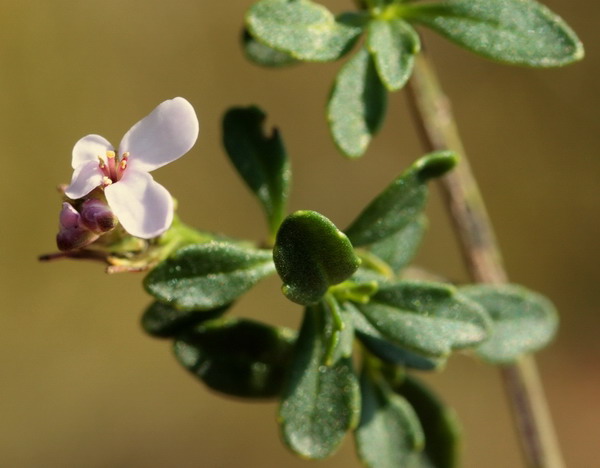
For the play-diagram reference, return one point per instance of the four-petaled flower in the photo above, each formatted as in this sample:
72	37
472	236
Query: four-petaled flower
143	207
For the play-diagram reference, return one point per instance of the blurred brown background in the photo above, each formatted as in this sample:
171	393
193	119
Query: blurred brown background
82	386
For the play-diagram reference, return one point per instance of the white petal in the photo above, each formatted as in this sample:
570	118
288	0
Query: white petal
89	148
86	177
143	207
164	135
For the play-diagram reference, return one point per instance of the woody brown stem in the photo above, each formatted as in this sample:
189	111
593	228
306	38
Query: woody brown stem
437	127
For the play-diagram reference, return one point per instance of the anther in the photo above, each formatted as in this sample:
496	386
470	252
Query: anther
106	181
110	154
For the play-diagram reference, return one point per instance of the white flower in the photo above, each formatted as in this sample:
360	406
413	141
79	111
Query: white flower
143	207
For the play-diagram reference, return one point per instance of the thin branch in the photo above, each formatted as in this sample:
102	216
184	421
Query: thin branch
433	115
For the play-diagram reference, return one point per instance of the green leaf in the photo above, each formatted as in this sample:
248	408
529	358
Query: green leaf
401	202
427	318
320	403
163	320
370	274
208	276
524	321
389	434
439	423
357	105
393	45
388	352
260	160
519	32
399	249
303	29
264	55
236	356
310	255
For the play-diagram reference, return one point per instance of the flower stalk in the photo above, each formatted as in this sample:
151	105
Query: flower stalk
438	131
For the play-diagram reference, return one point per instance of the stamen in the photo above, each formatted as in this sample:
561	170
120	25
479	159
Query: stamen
101	162
112	168
106	181
122	165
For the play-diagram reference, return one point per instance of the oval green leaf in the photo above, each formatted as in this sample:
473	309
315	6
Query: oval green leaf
310	255
519	32
260	159
208	276
428	318
263	55
388	352
393	45
401	202
400	248
357	105
524	321
303	29
162	320
389	434
439	423
320	403
237	357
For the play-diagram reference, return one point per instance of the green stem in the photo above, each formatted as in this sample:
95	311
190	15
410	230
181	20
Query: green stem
438	130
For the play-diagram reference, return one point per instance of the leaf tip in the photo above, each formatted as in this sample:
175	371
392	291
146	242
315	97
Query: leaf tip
579	53
436	164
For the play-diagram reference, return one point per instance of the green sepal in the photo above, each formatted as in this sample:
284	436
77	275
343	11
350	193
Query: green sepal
263	55
431	319
310	255
163	321
378	345
303	29
439	422
389	434
400	248
237	357
208	276
261	160
524	321
518	32
357	105
320	403
401	202
393	45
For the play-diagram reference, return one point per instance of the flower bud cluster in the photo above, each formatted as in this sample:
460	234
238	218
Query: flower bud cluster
77	229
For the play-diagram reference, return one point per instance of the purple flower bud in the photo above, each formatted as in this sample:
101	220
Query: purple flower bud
72	233
68	218
97	216
74	238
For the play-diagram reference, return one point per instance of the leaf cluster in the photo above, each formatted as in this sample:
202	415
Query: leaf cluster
357	302
284	32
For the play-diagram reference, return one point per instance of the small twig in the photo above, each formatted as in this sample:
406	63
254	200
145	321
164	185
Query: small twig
97	256
431	110
80	254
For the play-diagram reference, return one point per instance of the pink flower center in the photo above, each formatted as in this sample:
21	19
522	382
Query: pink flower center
112	167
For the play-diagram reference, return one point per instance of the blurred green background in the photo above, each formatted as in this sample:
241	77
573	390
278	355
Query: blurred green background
82	386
